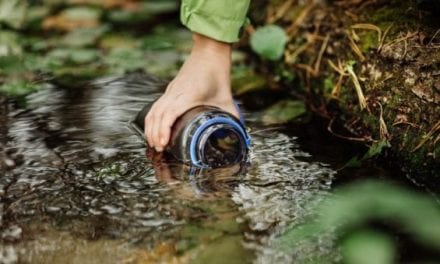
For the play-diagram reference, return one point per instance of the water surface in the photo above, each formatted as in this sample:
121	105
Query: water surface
83	190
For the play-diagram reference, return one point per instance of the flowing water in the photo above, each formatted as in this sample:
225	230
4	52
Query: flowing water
78	186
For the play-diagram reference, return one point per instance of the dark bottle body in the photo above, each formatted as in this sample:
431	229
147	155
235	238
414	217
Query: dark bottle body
205	136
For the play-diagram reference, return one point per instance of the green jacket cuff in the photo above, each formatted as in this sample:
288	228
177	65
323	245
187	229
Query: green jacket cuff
218	19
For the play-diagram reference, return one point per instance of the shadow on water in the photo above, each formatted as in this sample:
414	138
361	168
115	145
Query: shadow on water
82	189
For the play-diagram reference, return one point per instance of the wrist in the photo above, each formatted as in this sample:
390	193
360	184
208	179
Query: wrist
205	44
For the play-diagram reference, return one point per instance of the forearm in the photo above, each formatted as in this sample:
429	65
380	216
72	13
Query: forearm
212	52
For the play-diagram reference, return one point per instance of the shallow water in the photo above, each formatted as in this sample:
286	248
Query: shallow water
83	191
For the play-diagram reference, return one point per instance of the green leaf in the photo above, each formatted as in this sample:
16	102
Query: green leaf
376	149
124	60
9	44
354	162
36	14
118	41
19	88
68	56
13	12
157	42
283	112
83	37
82	56
245	80
357	204
82	13
269	42
368	247
144	12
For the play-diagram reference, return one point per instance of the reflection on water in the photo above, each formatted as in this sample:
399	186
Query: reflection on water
80	189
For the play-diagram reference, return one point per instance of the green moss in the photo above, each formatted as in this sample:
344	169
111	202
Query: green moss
328	84
369	40
399	14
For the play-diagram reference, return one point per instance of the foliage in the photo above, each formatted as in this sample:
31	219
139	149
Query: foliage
374	150
12	13
283	112
352	208
74	41
368	247
269	42
19	88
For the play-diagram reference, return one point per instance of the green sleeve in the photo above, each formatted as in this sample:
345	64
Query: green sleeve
218	19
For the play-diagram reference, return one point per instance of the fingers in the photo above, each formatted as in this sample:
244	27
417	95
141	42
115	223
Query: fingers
155	132
149	124
158	123
165	126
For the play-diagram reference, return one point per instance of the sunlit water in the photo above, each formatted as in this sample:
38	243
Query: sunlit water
83	191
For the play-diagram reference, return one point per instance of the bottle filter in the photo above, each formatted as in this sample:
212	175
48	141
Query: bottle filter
205	136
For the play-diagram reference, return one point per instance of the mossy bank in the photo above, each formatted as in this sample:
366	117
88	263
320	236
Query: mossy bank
371	66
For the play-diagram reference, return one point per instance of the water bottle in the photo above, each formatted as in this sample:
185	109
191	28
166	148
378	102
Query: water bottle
205	137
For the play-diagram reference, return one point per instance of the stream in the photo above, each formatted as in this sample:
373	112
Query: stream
83	191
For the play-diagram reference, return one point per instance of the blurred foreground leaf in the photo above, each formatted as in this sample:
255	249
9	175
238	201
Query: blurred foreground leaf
283	112
352	207
269	42
368	247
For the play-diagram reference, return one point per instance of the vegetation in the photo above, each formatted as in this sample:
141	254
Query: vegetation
370	67
70	42
356	216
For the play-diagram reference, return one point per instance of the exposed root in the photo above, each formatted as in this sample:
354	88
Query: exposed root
397	40
357	139
357	86
290	58
321	52
383	130
315	70
336	92
354	46
370	27
292	30
381	41
280	12
433	37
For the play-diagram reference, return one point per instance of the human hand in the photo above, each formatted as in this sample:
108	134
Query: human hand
204	79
